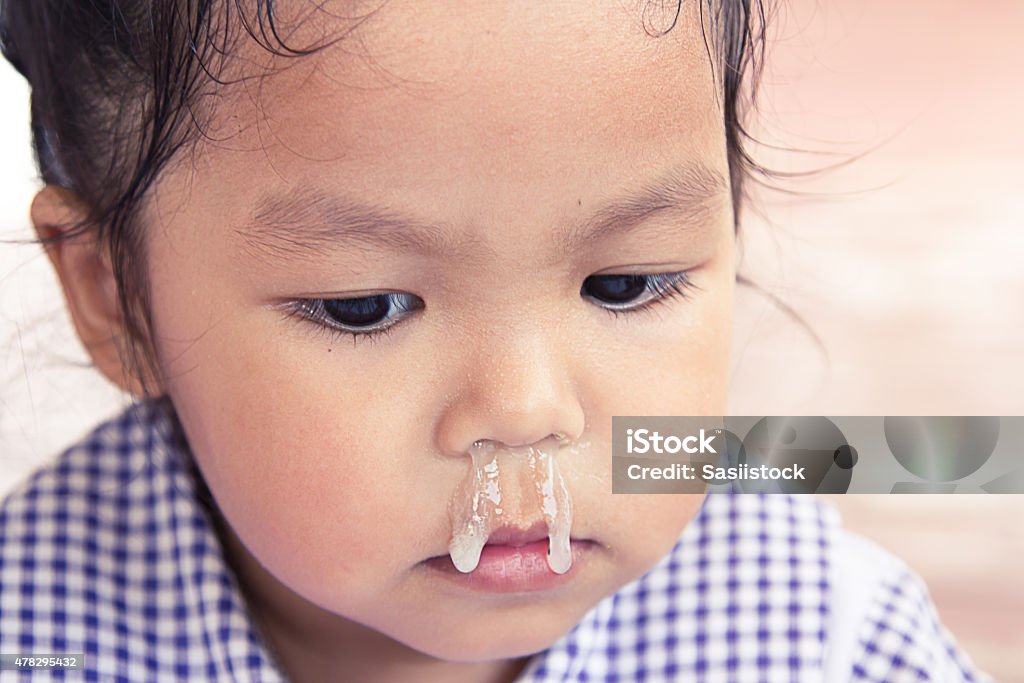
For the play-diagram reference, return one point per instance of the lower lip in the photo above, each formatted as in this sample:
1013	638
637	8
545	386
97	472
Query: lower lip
512	569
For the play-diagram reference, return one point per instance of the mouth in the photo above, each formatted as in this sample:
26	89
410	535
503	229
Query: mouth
517	537
514	560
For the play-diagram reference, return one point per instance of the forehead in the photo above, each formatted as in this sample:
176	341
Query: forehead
492	101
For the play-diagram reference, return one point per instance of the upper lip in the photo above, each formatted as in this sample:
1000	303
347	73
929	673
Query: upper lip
517	536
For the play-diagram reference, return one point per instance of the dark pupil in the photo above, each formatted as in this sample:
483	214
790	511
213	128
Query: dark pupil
614	288
366	310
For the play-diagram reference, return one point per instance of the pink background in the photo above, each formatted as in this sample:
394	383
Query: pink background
907	262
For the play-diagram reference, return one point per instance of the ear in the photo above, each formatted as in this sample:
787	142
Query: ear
90	289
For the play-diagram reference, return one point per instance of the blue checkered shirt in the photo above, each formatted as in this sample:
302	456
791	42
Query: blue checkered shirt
109	551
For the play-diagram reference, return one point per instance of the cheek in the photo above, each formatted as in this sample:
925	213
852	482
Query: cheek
681	354
684	370
693	356
314	467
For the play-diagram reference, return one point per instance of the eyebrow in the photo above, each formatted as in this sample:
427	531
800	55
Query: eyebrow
310	222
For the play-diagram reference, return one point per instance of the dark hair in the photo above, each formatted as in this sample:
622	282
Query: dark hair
119	90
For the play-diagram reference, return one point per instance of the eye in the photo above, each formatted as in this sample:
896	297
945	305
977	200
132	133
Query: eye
632	292
364	316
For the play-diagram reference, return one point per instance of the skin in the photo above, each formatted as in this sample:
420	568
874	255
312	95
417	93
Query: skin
333	462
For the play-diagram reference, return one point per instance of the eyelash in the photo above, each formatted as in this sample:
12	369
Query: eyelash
660	288
312	310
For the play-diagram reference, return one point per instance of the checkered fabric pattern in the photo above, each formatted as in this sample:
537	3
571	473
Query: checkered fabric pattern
903	641
109	551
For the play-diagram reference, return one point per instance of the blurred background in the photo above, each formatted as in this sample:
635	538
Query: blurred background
902	254
905	260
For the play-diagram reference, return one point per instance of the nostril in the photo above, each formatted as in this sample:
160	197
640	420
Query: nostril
559	439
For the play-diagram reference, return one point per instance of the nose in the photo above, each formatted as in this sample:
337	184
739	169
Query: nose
516	390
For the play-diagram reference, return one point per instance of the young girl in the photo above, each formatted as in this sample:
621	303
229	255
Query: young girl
379	276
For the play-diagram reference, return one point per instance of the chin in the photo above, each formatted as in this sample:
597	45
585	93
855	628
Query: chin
493	640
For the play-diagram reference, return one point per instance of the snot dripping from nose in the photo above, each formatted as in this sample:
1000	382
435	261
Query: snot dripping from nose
512	485
475	507
557	506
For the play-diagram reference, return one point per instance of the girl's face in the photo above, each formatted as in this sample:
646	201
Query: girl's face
408	242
